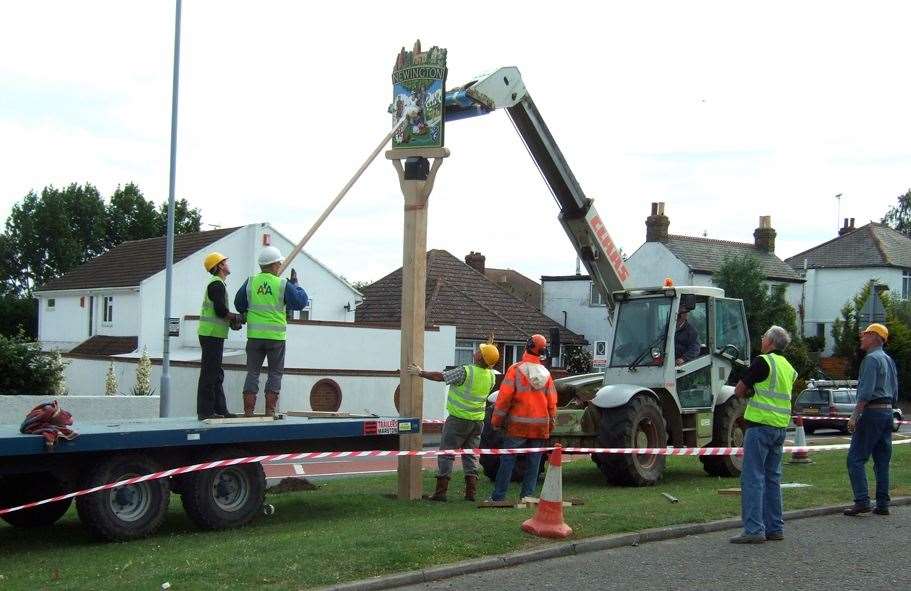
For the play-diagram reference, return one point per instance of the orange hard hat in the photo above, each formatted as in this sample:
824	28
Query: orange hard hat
536	344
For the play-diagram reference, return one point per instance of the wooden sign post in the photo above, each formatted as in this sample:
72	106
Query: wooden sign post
418	81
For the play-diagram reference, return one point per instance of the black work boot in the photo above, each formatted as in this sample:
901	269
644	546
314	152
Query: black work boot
442	486
471	486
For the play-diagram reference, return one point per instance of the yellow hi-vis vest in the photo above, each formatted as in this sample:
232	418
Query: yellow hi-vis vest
266	307
467	400
771	401
210	325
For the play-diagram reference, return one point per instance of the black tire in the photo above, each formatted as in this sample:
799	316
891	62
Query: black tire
638	423
491	439
225	497
25	488
726	433
127	512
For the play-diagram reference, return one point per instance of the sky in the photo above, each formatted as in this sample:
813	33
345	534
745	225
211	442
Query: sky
725	111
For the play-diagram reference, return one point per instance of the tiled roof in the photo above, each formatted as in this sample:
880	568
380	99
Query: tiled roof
127	264
105	345
527	290
707	255
873	245
459	295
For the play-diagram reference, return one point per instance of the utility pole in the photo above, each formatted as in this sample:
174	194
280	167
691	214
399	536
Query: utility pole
164	401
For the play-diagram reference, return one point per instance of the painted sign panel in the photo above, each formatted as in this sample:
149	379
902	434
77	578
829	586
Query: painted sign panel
418	85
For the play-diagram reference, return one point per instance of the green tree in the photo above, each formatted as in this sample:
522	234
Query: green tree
186	219
130	217
899	216
741	277
50	233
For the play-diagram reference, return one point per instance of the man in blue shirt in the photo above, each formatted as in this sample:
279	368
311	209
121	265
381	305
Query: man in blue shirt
871	423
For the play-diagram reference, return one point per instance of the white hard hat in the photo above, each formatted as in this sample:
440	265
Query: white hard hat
270	255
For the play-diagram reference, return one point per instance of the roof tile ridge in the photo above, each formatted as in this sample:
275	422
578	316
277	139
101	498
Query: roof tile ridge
878	243
712	240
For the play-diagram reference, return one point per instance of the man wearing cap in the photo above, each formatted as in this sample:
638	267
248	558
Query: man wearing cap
264	299
469	386
214	320
526	409
686	339
871	423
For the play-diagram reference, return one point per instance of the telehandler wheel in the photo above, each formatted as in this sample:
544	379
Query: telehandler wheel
225	497
25	488
491	439
127	512
726	432
638	423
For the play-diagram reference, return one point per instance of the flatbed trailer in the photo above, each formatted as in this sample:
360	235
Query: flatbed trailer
106	452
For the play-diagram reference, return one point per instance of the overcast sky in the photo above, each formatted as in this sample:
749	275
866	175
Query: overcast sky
725	111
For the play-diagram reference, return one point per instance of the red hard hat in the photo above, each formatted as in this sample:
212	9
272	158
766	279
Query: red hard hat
536	344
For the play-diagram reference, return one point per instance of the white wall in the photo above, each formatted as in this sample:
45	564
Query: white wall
652	263
827	290
329	293
310	346
68	324
574	297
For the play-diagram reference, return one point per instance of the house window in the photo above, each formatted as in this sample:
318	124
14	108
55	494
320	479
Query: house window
464	353
51	304
906	285
107	309
595	298
821	330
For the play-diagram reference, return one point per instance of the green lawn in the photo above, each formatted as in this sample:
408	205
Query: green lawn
353	528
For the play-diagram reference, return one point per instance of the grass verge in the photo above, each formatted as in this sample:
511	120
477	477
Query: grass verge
353	528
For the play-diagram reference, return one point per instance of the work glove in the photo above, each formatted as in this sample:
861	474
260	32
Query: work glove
293	277
414	369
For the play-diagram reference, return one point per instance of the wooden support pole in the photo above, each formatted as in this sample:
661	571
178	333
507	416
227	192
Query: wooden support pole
416	181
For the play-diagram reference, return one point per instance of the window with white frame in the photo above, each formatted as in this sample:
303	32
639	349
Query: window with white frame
595	297
464	352
906	284
51	304
107	310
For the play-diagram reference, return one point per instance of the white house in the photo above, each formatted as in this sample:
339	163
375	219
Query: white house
573	301
838	269
121	293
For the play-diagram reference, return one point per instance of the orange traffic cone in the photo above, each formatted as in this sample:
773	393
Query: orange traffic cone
800	440
548	520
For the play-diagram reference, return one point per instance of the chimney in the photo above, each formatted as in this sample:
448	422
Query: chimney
657	224
475	260
848	227
764	235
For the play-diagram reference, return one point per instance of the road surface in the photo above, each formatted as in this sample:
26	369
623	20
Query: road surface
868	552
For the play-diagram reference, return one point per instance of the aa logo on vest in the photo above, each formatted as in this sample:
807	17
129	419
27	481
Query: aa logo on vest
264	289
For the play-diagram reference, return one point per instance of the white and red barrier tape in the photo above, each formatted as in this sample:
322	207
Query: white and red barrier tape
320	455
825	418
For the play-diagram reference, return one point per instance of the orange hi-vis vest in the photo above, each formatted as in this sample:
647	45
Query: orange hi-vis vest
527	401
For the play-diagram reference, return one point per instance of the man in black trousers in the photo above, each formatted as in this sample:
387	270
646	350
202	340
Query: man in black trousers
214	321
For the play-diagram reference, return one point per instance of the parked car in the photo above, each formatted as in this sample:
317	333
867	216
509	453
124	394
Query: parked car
834	400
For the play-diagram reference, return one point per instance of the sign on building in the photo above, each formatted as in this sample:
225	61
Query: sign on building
418	86
599	356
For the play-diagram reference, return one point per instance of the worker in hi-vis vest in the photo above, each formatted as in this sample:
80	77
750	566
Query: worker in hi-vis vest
264	299
767	384
214	321
466	401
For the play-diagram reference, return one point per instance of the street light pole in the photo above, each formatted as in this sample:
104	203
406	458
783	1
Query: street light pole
164	403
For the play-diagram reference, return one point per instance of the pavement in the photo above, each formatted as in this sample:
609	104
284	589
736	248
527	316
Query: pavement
830	551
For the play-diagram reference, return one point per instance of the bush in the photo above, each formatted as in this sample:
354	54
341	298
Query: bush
26	369
577	360
815	344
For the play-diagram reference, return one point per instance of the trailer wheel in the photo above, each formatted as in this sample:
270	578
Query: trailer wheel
224	497
127	512
491	439
726	432
638	423
25	488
